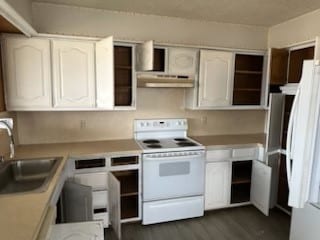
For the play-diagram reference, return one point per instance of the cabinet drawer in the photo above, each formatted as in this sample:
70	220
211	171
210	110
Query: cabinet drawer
245	153
104	216
98	181
100	199
218	155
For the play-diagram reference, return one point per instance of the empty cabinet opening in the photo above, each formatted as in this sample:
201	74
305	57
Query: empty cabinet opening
247	79
287	109
90	163
283	189
123	75
118	161
240	193
296	62
129	192
129	206
159	60
241	181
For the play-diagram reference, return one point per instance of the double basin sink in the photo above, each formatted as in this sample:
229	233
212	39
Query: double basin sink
27	176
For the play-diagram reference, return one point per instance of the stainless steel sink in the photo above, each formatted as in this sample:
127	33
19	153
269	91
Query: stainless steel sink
25	176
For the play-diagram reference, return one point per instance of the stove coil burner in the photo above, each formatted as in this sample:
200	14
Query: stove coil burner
186	144
154	146
151	141
181	139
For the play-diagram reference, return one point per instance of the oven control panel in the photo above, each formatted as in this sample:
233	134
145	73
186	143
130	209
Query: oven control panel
160	125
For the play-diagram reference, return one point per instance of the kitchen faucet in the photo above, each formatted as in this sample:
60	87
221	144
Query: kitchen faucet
7	123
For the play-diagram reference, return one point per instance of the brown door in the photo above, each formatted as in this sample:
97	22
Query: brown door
278	66
296	61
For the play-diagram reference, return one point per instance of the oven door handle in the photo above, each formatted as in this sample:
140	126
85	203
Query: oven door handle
174	158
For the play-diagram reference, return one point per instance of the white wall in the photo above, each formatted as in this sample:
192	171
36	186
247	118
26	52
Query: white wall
300	29
23	7
62	19
48	127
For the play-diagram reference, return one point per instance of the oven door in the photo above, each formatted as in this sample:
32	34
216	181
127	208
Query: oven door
173	175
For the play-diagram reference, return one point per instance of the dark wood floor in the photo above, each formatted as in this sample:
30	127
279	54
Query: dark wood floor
242	223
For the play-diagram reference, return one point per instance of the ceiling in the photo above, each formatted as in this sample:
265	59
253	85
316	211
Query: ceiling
251	12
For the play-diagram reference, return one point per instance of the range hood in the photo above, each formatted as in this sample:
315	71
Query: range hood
164	81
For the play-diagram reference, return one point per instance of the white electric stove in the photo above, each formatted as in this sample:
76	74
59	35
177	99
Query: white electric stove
173	170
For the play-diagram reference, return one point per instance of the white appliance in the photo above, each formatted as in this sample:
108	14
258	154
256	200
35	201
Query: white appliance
173	170
303	156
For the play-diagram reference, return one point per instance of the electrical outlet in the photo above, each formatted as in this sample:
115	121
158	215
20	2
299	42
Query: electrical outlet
204	120
8	121
83	124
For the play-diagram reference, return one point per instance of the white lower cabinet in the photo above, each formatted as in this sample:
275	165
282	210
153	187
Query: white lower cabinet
238	180
77	231
217	186
261	186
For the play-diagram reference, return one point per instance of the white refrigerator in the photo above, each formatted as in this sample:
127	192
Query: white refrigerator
303	156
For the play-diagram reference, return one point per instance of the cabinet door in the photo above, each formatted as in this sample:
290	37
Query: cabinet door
2	102
105	73
278	66
215	78
144	56
217	186
27	72
73	74
114	204
274	124
260	186
77	231
77	202
182	61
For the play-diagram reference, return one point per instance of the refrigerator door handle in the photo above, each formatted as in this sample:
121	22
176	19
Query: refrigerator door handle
290	135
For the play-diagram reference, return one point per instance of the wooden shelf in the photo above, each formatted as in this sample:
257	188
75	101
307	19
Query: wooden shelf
247	79
123	67
129	182
248	72
123	88
129	194
241	181
247	90
123	75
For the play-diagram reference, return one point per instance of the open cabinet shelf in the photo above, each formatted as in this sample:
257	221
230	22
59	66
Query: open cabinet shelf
128	181
247	79
129	206
241	181
123	73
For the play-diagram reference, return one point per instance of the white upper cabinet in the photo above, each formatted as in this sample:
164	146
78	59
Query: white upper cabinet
105	73
27	73
73	74
215	78
144	56
182	61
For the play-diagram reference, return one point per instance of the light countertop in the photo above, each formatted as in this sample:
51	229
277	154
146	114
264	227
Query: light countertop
243	140
21	216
